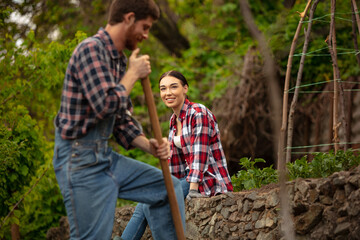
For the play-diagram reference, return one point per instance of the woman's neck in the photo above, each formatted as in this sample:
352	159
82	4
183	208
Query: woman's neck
178	127
177	109
177	112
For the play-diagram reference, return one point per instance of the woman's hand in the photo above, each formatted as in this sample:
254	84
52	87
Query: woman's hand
161	151
193	193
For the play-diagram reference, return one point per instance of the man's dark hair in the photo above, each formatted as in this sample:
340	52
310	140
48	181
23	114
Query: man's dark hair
141	8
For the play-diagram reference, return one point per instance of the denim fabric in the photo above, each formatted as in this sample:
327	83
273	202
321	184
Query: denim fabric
91	177
137	225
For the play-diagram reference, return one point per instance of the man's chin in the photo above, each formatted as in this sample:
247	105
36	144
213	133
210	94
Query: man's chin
131	47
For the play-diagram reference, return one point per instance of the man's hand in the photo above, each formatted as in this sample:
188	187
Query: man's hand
139	65
160	151
194	194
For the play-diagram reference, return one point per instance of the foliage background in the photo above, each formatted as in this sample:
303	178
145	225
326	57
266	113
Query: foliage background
34	56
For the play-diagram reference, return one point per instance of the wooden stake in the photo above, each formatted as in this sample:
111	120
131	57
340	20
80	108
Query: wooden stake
356	14
298	82
281	163
163	162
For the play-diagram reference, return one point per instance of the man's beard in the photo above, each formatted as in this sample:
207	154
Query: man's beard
131	41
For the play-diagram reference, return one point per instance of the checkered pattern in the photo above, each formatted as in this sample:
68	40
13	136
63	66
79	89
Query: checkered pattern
201	150
92	91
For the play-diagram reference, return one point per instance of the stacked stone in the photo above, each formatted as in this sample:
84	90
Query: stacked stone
233	216
324	208
328	208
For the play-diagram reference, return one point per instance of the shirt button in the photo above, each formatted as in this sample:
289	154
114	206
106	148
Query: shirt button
76	143
73	155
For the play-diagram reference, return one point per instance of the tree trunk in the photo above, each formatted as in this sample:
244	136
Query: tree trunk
167	32
15	232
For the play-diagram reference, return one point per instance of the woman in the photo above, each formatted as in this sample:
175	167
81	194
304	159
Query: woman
195	148
197	157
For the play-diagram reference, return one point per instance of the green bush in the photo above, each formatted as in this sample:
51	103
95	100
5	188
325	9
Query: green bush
31	84
21	154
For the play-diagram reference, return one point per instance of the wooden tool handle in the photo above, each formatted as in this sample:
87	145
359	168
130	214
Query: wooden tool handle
163	162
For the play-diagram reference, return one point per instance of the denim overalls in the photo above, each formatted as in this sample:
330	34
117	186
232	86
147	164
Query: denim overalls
91	177
136	227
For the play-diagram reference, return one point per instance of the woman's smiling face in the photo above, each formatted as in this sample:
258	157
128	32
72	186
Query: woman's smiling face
173	93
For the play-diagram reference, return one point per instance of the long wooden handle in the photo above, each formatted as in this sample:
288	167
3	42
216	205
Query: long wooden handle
163	162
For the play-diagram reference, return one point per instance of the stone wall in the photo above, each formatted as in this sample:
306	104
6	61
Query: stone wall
327	208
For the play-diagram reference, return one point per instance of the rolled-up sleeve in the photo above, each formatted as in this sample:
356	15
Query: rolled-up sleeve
125	130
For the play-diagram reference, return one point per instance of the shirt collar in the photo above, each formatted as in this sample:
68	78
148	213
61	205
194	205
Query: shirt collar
182	114
109	44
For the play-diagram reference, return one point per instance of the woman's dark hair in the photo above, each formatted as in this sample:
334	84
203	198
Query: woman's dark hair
141	8
175	74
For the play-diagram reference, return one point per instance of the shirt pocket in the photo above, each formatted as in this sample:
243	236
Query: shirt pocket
83	157
61	157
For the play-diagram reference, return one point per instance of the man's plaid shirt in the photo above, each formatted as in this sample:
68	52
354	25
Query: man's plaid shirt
92	91
201	150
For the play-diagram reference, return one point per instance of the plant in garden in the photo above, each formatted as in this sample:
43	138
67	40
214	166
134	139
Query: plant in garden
322	165
253	177
348	159
325	164
300	168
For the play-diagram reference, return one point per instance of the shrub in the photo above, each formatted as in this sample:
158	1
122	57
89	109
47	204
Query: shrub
253	177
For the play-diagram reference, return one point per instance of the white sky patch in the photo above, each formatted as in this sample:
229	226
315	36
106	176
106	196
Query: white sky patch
21	19
75	2
16	17
54	35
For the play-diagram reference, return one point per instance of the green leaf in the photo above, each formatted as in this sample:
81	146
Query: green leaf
24	170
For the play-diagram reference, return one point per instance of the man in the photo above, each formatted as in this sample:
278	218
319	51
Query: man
95	103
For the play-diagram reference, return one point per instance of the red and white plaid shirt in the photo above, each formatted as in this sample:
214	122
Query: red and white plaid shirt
201	150
92	91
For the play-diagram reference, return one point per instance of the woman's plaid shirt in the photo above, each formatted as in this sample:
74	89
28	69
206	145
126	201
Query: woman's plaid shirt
92	91
201	150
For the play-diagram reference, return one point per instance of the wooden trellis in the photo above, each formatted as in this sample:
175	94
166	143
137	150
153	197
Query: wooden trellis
338	97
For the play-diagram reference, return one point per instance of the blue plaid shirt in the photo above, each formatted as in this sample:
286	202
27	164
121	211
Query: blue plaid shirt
92	91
